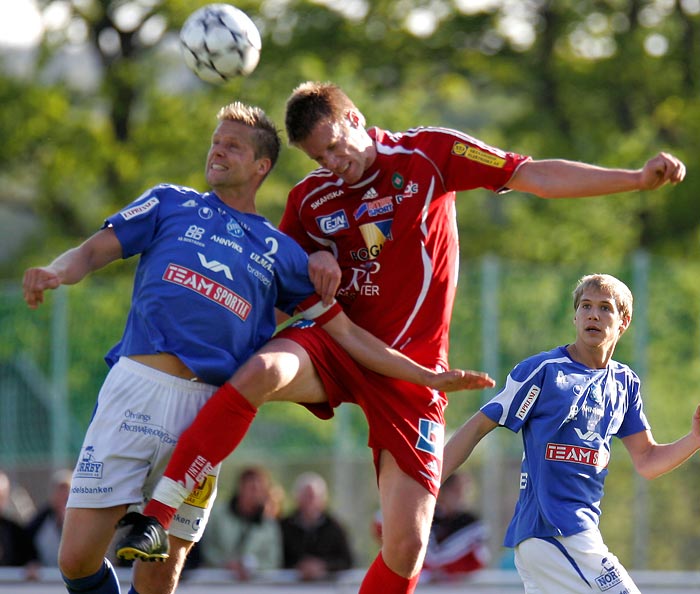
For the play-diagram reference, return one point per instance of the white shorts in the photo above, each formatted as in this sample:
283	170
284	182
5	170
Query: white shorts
139	416
571	565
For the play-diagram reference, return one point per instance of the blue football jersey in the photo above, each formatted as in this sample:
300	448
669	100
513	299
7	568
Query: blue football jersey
207	282
568	415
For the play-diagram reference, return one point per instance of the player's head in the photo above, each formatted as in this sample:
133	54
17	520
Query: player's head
314	102
606	283
324	123
265	137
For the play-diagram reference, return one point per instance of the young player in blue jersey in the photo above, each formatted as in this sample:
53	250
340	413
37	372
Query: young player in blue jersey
569	403
210	275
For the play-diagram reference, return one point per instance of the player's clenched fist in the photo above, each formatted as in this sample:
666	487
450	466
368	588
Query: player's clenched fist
661	169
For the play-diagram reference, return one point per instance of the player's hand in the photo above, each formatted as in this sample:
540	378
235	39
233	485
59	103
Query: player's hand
461	379
35	282
324	273
661	169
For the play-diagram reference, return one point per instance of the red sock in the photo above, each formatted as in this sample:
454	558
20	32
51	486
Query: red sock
379	579
216	431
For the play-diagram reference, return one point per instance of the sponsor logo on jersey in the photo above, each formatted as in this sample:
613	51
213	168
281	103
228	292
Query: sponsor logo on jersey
474	154
332	223
375	208
397	180
325	198
431	436
527	403
202	494
193	235
215	266
370	194
259	275
609	577
189	203
226	242
205	213
179	275
362	281
88	465
561	452
139	209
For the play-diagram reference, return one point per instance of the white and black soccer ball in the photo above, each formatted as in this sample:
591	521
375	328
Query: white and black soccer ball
220	42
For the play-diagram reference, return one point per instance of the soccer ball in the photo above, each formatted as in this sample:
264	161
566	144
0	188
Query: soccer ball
220	42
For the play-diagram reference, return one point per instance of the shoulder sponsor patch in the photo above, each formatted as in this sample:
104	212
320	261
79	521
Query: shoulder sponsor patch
474	154
527	403
139	209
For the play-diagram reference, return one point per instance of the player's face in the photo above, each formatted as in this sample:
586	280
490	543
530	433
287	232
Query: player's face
599	323
231	161
344	147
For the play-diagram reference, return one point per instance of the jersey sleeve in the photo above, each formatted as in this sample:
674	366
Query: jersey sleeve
136	224
634	420
512	406
467	163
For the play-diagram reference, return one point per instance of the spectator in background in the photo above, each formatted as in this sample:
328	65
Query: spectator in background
15	546
458	539
315	543
44	529
242	536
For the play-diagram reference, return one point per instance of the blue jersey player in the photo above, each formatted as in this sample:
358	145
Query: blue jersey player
210	275
569	403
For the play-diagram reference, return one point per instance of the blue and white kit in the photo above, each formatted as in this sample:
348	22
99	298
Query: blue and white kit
568	415
205	290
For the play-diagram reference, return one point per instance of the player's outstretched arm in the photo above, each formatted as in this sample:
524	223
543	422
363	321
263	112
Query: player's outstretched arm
653	459
376	355
71	266
559	178
462	443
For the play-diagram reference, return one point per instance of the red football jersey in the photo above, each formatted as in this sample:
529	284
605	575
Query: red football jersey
394	233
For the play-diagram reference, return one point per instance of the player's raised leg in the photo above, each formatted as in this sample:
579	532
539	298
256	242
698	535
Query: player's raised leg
280	371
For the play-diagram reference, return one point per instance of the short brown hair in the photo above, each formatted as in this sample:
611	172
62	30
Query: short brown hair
312	102
266	137
608	283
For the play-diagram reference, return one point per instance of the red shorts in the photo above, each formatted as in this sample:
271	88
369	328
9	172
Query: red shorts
404	419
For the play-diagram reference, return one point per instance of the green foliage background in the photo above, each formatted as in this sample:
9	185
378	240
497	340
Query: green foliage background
583	83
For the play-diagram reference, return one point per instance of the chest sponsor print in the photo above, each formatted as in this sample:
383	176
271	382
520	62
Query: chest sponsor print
216	292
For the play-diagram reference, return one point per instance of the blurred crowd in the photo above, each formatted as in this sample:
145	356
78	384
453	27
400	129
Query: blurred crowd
258	528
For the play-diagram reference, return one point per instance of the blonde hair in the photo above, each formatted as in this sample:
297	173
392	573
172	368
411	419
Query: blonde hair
608	283
266	138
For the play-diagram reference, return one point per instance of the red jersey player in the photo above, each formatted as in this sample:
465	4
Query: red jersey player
381	210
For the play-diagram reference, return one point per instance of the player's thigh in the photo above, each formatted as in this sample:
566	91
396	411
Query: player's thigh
281	371
85	539
162	578
407	513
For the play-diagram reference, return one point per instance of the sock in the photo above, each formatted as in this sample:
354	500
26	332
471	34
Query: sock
379	579
214	434
104	581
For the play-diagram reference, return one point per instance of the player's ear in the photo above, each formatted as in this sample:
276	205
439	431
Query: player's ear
624	324
264	165
355	118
